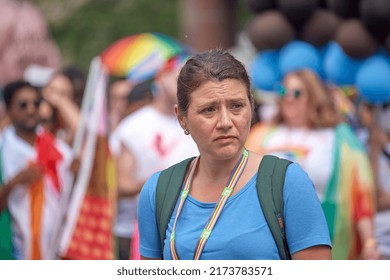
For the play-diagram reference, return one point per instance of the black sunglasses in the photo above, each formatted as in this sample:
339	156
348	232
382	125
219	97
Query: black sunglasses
22	104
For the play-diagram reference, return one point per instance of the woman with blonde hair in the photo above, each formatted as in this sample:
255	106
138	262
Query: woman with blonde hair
307	129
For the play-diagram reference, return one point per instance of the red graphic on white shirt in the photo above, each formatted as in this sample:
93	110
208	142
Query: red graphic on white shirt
161	147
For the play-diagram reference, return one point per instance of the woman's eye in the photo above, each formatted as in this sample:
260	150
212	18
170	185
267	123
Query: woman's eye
208	110
237	106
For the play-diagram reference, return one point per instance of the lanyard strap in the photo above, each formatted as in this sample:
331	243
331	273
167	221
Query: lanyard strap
227	191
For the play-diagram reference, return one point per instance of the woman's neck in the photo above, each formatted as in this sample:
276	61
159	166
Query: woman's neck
210	179
297	123
211	176
216	169
294	119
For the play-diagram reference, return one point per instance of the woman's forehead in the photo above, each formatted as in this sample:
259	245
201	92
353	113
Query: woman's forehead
225	82
293	79
215	92
228	87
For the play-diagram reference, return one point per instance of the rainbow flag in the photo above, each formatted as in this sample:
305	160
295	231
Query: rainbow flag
87	234
349	196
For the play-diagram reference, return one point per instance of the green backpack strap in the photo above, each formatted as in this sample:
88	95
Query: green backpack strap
270	182
168	190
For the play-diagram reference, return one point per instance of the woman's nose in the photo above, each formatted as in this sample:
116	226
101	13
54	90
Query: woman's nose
225	120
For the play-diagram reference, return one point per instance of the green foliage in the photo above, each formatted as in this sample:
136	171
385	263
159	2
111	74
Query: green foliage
91	28
84	28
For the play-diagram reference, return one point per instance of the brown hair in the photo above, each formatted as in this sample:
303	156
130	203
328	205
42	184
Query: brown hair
212	65
77	79
321	110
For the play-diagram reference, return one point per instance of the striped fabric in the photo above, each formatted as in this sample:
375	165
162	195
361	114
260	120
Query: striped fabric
349	191
349	196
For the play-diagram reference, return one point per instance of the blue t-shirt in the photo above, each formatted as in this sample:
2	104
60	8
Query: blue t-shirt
241	233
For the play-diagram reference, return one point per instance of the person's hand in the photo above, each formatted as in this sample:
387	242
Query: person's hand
53	97
27	176
370	250
75	165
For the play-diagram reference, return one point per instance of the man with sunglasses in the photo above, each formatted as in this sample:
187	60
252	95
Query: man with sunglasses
33	167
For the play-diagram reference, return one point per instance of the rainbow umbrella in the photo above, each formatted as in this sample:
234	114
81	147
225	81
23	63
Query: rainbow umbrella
139	57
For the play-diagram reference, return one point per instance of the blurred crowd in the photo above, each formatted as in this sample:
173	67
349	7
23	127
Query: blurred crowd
339	136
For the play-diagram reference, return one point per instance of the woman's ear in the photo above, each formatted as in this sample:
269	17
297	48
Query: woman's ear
180	117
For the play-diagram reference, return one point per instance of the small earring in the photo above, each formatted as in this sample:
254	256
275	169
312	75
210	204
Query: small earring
186	131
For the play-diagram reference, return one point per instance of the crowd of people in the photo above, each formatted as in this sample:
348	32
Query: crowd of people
199	114
204	112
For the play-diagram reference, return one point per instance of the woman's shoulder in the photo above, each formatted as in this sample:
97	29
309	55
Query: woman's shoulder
297	180
294	172
148	191
262	127
258	134
151	182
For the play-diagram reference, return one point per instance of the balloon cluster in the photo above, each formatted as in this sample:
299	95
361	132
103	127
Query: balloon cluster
346	42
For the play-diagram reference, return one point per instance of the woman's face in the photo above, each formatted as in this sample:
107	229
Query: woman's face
293	104
119	92
219	118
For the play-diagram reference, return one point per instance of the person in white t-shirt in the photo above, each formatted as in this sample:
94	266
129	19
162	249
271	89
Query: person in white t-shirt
147	141
34	168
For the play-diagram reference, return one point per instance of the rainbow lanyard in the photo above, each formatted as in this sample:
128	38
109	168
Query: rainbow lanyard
227	191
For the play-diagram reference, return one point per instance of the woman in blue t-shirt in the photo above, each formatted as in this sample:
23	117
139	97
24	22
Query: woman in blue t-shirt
218	214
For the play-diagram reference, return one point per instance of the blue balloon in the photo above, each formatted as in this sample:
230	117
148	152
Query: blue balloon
373	79
264	70
299	55
322	53
339	68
